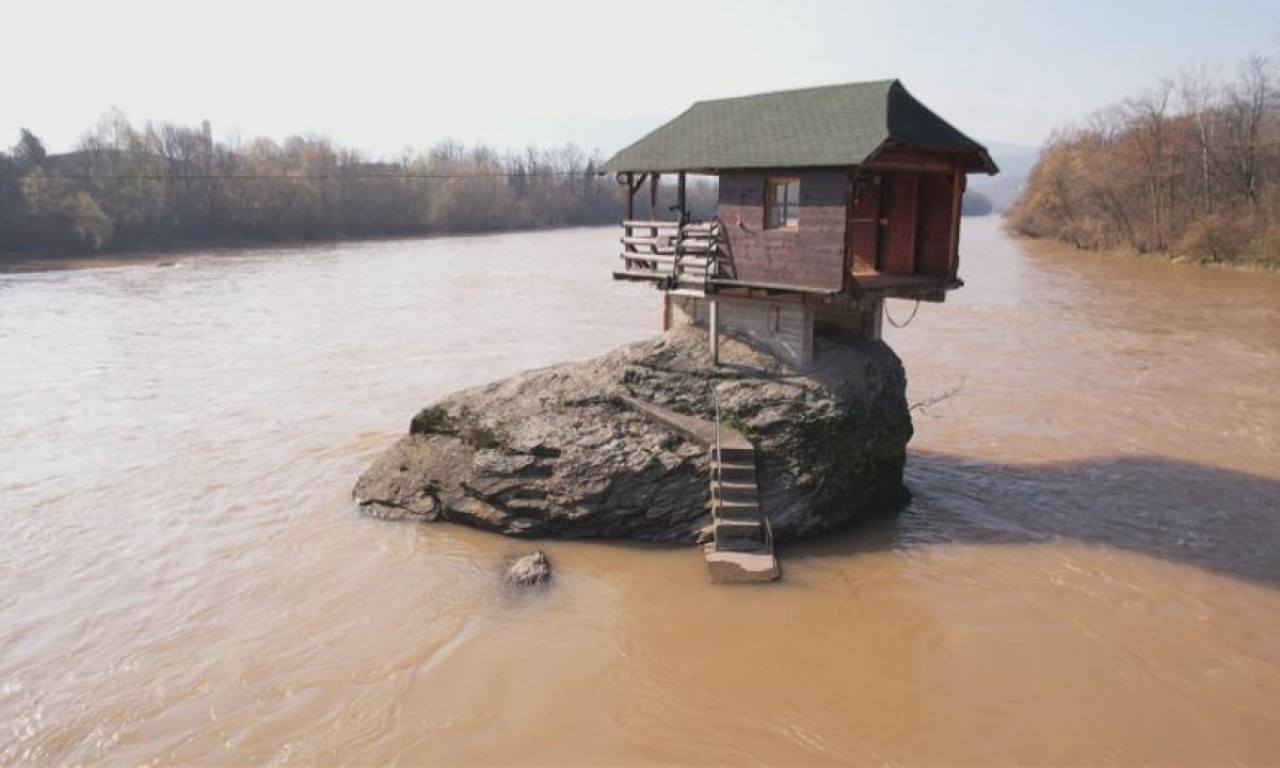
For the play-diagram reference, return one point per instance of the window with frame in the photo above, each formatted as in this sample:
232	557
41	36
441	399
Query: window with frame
782	203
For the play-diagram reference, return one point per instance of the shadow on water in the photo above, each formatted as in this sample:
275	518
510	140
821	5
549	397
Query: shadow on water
1217	519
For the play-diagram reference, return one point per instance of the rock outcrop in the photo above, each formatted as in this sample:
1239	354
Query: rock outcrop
557	452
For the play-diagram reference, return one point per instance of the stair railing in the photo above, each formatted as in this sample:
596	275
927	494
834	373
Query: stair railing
717	473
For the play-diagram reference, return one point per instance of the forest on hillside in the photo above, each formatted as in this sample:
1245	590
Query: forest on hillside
1191	168
127	188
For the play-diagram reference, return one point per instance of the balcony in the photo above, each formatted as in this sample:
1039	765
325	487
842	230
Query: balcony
681	257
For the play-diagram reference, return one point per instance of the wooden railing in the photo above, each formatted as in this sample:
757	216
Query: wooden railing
682	255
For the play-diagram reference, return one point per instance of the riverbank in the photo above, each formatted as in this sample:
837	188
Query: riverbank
1270	267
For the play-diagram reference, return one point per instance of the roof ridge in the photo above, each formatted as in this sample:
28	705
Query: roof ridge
807	89
902	90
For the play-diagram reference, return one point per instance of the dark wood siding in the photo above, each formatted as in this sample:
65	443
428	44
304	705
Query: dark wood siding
902	222
824	209
811	255
864	223
933	247
898	245
911	160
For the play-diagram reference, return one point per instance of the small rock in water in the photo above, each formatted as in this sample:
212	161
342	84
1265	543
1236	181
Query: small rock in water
529	570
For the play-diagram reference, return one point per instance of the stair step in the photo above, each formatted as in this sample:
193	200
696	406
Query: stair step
741	544
746	497
735	508
737	489
738	453
738	526
737	472
745	543
740	567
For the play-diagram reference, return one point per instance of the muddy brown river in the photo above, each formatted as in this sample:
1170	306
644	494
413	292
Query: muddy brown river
1089	571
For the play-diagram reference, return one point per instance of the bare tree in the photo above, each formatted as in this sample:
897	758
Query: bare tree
1199	100
1246	104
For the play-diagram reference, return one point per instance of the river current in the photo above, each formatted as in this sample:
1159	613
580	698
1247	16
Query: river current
1089	570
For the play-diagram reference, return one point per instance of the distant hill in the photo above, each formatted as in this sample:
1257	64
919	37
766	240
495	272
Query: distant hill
975	204
1003	190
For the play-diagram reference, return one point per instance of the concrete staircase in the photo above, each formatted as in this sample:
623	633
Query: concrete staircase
741	546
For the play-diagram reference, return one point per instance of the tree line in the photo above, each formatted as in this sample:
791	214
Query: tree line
1189	168
127	188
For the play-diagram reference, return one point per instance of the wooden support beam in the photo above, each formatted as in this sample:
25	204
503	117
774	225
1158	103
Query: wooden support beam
649	258
875	320
662	241
630	209
635	182
653	205
671	225
957	192
684	213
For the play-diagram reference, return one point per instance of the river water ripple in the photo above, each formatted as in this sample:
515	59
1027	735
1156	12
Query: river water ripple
1089	571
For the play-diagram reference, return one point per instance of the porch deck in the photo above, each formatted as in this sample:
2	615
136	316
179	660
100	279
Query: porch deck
690	258
923	287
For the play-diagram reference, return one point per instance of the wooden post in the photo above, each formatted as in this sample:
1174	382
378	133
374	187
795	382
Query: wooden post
713	330
666	311
631	200
957	192
629	213
680	196
653	206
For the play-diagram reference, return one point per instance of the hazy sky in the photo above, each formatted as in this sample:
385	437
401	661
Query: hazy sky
382	75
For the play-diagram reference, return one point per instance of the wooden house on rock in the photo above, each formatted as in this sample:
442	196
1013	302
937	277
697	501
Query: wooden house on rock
831	200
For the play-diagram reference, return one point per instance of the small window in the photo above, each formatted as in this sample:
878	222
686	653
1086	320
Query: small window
782	203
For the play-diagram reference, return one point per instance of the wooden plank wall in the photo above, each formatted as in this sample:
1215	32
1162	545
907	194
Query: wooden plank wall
784	328
848	322
920	214
898	244
937	209
864	223
811	255
933	250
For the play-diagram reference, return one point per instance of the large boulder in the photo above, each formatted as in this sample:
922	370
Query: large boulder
556	451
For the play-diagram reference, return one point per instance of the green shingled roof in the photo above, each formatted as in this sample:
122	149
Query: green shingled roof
836	125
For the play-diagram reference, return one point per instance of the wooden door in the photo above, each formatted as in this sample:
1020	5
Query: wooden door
937	212
864	223
900	194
